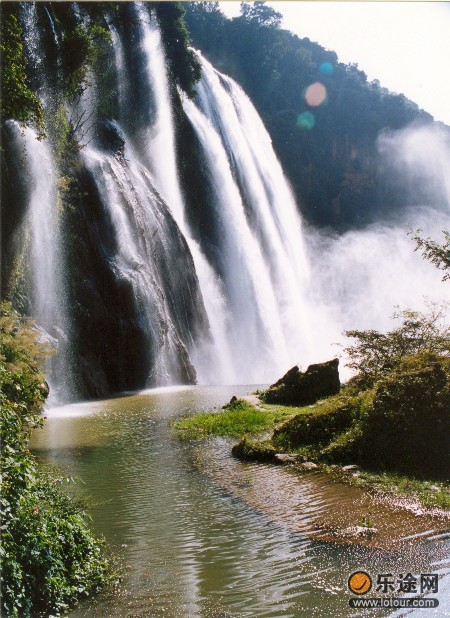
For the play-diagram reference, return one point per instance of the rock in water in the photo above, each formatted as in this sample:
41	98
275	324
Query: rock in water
299	389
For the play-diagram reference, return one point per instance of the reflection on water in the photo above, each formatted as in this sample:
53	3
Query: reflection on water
190	547
319	505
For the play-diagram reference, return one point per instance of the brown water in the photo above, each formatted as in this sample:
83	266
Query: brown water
197	544
319	505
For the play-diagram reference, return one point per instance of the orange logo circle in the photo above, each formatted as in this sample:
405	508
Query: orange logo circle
360	582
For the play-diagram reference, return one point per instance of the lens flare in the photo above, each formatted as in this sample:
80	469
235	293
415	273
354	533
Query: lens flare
326	68
306	120
315	94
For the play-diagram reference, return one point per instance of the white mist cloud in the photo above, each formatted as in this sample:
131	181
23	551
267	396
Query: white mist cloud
358	278
421	154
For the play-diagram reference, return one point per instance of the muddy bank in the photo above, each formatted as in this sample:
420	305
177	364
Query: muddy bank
317	505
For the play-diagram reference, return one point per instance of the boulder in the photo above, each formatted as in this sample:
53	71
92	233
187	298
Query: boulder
110	137
300	389
286	458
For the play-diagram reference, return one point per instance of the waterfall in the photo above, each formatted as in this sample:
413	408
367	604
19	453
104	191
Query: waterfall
43	244
262	255
178	254
173	308
154	146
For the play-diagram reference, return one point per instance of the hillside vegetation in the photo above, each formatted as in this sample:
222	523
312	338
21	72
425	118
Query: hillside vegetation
327	147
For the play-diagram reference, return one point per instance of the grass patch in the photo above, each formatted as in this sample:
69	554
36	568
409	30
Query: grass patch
289	411
237	418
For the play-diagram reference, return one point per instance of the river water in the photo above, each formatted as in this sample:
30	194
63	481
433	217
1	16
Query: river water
190	546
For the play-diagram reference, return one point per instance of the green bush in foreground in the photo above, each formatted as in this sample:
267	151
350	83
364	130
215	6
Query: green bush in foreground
407	422
49	557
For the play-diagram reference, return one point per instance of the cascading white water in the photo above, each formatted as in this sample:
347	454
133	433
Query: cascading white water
156	150
48	294
45	256
246	269
262	252
138	216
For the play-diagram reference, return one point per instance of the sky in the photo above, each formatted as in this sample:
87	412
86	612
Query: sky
405	45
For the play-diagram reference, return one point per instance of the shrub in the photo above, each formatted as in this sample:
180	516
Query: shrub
403	423
49	557
375	355
318	426
408	423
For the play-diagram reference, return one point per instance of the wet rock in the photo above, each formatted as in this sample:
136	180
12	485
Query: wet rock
110	137
350	468
286	458
298	389
308	465
231	403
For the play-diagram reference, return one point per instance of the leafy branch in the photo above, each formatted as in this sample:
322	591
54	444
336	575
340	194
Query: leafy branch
375	354
437	254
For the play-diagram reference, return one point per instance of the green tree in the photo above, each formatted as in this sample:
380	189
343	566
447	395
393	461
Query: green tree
18	101
257	13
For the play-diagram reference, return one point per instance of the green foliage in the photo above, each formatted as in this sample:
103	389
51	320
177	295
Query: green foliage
394	415
410	414
83	48
437	254
318	425
183	62
374	355
18	101
49	557
237	418
384	428
257	13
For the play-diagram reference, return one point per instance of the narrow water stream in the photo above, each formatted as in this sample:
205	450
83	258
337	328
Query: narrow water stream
189	546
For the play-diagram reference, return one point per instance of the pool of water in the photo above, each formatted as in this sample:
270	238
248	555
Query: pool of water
189	544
